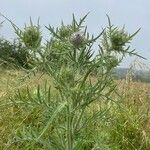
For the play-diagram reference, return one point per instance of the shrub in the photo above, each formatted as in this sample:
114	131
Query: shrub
13	54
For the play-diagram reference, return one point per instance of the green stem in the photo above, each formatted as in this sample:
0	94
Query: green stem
69	129
79	119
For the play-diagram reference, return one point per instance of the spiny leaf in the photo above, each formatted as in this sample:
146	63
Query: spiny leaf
83	19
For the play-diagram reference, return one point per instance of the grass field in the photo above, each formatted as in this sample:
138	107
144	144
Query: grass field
126	125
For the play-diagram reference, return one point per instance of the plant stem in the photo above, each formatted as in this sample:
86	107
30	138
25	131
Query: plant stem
69	129
79	119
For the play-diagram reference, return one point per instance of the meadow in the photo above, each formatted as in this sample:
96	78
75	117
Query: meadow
124	126
59	96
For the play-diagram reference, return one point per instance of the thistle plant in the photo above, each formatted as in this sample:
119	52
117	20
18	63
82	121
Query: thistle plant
30	37
65	118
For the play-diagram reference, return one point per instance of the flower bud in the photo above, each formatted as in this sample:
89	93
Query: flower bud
118	40
32	37
64	31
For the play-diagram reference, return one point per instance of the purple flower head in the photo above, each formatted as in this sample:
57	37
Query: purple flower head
77	38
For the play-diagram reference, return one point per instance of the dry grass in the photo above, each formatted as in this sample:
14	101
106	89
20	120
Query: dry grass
12	80
130	123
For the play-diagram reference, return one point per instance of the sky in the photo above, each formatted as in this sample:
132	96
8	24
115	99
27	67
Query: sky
133	14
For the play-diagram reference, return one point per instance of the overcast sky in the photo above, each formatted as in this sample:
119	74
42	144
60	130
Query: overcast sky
132	13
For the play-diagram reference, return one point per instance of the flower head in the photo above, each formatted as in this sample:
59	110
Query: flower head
77	39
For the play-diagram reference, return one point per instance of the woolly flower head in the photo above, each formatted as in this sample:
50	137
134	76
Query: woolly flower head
77	39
